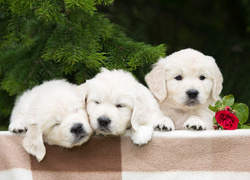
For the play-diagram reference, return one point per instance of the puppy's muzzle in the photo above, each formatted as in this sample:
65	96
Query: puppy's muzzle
104	124
104	121
192	95
78	131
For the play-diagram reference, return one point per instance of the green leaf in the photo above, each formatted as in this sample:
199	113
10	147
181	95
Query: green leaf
213	108
233	106
227	100
245	127
218	104
242	112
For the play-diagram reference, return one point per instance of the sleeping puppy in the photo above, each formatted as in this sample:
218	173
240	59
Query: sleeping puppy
53	113
117	101
185	83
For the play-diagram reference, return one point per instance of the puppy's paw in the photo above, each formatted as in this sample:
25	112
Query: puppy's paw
142	136
18	127
194	124
164	124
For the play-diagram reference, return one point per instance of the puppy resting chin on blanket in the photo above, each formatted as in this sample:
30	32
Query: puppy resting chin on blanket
185	83
52	112
117	101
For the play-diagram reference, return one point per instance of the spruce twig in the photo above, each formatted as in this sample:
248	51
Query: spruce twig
46	69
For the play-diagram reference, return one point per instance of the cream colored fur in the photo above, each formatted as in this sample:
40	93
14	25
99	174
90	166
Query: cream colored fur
118	97
49	112
171	93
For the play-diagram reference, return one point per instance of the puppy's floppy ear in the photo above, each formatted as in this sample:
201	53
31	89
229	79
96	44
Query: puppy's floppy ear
33	142
141	120
156	82
140	113
217	81
136	115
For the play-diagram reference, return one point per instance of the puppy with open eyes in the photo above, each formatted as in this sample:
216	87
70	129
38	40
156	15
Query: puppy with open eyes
53	113
116	101
185	83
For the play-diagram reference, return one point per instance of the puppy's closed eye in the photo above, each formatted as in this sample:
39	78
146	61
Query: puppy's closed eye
57	123
120	105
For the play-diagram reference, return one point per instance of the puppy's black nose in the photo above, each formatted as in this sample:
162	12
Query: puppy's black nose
77	129
103	121
192	93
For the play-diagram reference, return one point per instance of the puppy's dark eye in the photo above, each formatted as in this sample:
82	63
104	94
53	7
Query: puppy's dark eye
178	78
120	105
202	77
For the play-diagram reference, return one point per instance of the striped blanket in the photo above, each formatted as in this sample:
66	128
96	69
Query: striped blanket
185	155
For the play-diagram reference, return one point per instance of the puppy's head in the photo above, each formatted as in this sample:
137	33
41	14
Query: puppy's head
185	79
71	129
62	121
110	101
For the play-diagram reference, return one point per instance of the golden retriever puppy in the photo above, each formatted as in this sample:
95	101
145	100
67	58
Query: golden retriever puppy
53	113
185	83
116	101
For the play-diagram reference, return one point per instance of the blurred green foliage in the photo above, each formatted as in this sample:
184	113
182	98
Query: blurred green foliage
53	39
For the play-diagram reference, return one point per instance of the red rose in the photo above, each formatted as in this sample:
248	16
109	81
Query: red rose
227	120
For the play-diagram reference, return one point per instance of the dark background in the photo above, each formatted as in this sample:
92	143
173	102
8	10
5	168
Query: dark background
216	28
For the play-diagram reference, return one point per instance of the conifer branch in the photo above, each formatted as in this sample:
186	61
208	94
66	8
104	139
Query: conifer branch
115	45
31	73
46	69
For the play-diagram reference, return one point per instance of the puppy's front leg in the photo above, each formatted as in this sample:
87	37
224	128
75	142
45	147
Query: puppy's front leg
195	123
142	135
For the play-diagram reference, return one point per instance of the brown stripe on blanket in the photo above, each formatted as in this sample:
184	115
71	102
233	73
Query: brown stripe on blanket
99	154
187	154
12	154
